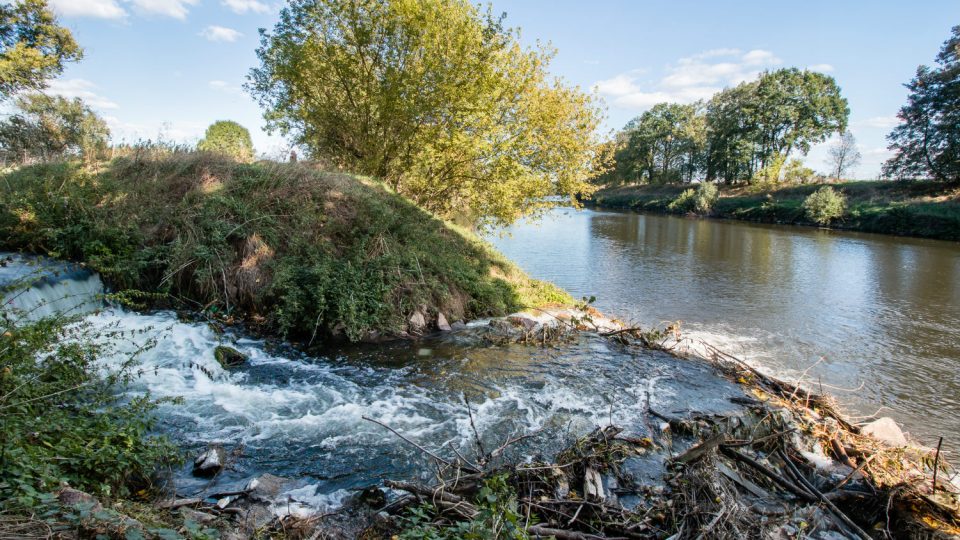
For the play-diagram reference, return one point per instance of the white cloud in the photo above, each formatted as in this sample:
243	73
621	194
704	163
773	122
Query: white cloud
101	9
244	6
759	57
220	33
177	9
224	86
620	85
690	79
83	89
881	122
822	68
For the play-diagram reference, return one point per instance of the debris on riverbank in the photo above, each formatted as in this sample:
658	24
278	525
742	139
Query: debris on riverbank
790	466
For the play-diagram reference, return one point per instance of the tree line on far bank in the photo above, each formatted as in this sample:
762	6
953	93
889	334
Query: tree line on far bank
755	131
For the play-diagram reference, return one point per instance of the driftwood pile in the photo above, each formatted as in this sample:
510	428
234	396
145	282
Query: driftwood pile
789	466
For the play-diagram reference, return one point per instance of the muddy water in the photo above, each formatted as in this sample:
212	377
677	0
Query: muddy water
877	315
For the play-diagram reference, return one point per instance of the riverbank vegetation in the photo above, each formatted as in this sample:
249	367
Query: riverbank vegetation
917	208
744	139
290	249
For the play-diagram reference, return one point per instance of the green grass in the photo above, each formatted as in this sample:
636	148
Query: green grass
296	251
920	208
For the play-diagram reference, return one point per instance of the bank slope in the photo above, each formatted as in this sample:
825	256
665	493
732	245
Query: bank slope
302	253
921	208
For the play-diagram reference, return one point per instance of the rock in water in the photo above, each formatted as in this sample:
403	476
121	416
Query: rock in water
210	462
442	323
228	357
266	487
417	322
885	430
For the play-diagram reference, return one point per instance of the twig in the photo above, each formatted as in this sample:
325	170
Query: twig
779	480
936	465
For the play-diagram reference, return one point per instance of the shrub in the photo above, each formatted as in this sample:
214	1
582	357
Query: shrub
824	205
228	138
699	200
62	418
795	173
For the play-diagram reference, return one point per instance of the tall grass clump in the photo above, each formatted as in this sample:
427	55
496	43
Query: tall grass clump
824	205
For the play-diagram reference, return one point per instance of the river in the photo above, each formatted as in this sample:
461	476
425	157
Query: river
873	319
302	417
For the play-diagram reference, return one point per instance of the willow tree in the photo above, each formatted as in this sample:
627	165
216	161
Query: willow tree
435	97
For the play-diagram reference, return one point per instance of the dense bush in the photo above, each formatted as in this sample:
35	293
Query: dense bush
228	138
824	205
699	200
61	417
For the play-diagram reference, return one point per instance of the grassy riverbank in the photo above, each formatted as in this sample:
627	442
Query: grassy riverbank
299	252
924	209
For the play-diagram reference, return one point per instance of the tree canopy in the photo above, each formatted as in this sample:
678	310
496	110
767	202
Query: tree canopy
927	141
746	132
435	97
52	127
33	46
760	123
229	138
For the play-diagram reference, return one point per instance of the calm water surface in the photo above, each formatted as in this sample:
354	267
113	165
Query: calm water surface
878	315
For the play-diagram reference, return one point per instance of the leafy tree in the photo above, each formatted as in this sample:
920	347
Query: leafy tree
927	141
844	155
435	97
757	124
33	47
662	145
730	134
228	137
52	127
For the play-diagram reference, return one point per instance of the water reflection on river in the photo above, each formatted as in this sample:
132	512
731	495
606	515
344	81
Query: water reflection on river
878	311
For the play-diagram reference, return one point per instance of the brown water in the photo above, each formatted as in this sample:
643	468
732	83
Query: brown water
879	315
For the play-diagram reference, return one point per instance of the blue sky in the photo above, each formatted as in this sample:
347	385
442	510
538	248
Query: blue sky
171	67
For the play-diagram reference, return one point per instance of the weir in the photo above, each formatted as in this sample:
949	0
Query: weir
38	287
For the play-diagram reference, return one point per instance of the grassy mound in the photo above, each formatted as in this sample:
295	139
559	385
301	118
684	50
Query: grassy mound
302	253
921	208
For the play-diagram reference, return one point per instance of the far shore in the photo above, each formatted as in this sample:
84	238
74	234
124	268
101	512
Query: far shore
924	209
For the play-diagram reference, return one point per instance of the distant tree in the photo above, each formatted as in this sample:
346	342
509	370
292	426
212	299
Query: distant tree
663	145
229	138
844	155
435	97
52	127
33	46
756	125
927	141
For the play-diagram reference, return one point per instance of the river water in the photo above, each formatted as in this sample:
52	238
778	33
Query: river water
301	416
873	319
